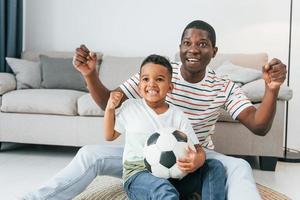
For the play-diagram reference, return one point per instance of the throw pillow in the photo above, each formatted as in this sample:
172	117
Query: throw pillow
86	106
237	73
7	82
28	73
59	73
115	70
255	91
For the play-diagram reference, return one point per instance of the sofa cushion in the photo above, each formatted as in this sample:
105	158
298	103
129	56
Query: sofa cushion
42	101
59	73
88	107
115	70
7	82
28	73
238	73
255	91
35	56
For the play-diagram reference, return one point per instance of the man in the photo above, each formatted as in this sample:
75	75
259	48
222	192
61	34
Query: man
199	92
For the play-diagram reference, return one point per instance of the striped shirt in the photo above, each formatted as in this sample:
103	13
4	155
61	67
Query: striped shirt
201	101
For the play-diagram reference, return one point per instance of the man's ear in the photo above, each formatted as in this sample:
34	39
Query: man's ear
215	51
180	46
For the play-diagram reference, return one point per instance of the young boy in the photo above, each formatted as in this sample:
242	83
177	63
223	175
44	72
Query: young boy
138	119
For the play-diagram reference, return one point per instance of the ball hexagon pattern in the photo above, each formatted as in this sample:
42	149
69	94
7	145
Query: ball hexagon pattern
161	151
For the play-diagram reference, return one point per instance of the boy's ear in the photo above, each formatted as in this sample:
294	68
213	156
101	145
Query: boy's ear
171	87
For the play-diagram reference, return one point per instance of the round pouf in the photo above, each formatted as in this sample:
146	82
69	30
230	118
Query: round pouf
104	188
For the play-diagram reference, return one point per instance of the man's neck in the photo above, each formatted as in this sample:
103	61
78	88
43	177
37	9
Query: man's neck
192	77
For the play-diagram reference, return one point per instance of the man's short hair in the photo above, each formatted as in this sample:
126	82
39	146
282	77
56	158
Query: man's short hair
160	60
202	25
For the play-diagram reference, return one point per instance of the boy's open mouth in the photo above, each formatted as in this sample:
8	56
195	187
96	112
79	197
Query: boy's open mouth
152	91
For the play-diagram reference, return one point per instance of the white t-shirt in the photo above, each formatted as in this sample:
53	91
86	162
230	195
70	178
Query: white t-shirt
138	121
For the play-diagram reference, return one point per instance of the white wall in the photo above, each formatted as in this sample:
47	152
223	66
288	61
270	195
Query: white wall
294	104
135	27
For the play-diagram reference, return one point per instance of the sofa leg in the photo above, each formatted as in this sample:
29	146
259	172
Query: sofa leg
267	163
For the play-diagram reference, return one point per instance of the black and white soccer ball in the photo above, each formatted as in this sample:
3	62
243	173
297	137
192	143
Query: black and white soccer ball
161	151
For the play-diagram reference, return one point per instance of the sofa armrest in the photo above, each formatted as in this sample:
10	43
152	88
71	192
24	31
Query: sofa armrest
7	82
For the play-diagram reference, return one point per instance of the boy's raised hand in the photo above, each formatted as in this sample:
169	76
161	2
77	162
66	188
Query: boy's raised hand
274	74
114	99
84	60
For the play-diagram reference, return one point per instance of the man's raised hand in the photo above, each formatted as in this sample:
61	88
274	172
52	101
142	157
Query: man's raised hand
274	74
84	60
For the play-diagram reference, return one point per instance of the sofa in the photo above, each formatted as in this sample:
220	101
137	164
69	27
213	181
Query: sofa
45	101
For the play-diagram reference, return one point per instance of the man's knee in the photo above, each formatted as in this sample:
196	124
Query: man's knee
100	150
241	167
86	150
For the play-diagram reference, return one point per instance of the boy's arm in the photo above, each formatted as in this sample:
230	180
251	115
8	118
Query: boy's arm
85	62
259	120
109	116
194	158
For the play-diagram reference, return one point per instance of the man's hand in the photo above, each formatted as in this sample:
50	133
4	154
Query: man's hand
274	74
84	60
114	100
193	160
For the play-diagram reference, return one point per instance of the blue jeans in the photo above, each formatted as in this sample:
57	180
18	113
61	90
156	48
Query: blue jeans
208	181
93	160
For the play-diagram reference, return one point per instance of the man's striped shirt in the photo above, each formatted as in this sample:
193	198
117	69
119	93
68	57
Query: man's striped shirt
201	101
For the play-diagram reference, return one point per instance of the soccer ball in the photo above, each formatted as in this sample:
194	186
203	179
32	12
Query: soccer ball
161	151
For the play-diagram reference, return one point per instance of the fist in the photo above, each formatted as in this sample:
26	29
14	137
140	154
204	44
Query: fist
84	60
274	73
114	99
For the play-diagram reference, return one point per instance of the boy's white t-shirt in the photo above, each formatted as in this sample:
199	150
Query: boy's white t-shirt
138	121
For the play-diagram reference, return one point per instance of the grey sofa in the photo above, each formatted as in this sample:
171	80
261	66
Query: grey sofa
39	113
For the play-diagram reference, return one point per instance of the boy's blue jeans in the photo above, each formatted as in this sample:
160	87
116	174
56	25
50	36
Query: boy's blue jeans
208	181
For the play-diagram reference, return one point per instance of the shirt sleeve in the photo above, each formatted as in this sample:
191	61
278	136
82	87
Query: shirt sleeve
120	118
236	100
130	87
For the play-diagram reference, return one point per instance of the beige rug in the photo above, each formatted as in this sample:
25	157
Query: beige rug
109	188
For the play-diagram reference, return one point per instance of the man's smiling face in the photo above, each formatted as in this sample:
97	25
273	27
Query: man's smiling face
196	50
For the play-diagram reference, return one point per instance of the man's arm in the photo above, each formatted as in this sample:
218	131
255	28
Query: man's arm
85	62
109	117
259	120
